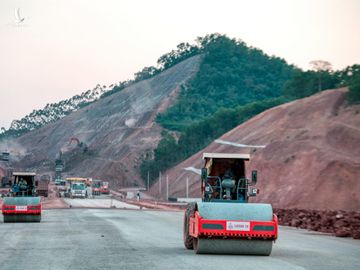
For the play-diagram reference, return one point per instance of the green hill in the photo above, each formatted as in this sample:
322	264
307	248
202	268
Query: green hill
231	74
234	83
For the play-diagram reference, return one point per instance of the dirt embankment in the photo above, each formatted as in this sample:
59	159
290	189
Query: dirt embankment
311	159
114	132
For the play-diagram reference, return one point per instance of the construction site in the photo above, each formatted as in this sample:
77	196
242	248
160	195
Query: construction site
224	200
149	135
91	216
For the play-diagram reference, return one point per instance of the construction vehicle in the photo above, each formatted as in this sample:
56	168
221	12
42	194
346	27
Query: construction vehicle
42	186
6	165
5	180
22	205
5	156
78	190
96	186
59	167
224	222
104	189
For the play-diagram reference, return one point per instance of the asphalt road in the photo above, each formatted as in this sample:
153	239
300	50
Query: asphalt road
133	239
102	201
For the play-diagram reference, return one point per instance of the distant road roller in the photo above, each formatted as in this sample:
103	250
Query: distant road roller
224	222
22	205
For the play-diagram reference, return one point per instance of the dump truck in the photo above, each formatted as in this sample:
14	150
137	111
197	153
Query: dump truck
22	205
104	189
42	186
224	222
5	181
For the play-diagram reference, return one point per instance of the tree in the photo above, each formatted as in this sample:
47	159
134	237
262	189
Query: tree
354	90
320	67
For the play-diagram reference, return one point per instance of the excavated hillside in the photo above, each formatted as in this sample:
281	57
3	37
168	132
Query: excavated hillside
311	159
111	134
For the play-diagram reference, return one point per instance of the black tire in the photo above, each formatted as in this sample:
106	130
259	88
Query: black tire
7	218
37	218
190	212
195	243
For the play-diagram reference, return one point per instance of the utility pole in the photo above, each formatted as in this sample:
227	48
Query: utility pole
160	184
148	177
187	187
167	187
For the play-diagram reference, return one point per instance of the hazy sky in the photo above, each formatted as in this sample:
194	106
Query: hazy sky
66	47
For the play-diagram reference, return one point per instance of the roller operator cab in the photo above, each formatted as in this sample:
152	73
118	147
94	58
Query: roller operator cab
225	222
22	204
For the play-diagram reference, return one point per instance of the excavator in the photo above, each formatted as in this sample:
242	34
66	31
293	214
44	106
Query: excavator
224	222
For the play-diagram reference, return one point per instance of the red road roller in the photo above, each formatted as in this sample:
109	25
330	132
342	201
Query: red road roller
225	222
22	205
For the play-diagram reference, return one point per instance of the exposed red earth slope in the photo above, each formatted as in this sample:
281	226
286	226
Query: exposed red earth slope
311	159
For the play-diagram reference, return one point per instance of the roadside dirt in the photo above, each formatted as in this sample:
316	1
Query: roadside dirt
339	223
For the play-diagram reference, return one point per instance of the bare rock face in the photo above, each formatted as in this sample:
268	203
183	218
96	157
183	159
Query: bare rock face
311	159
110	135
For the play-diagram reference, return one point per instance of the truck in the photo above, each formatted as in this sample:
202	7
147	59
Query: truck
42	186
78	190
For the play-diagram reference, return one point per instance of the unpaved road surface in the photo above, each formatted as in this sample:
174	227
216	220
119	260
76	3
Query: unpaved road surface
133	239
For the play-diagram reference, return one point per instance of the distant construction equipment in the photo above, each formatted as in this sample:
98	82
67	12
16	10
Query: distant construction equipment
59	167
5	160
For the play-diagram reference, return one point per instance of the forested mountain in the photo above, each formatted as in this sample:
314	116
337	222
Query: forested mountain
231	74
234	83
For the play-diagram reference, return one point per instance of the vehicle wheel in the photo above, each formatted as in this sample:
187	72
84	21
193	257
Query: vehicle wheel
195	245
35	218
190	212
7	219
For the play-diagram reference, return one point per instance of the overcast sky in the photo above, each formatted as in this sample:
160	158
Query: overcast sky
66	47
